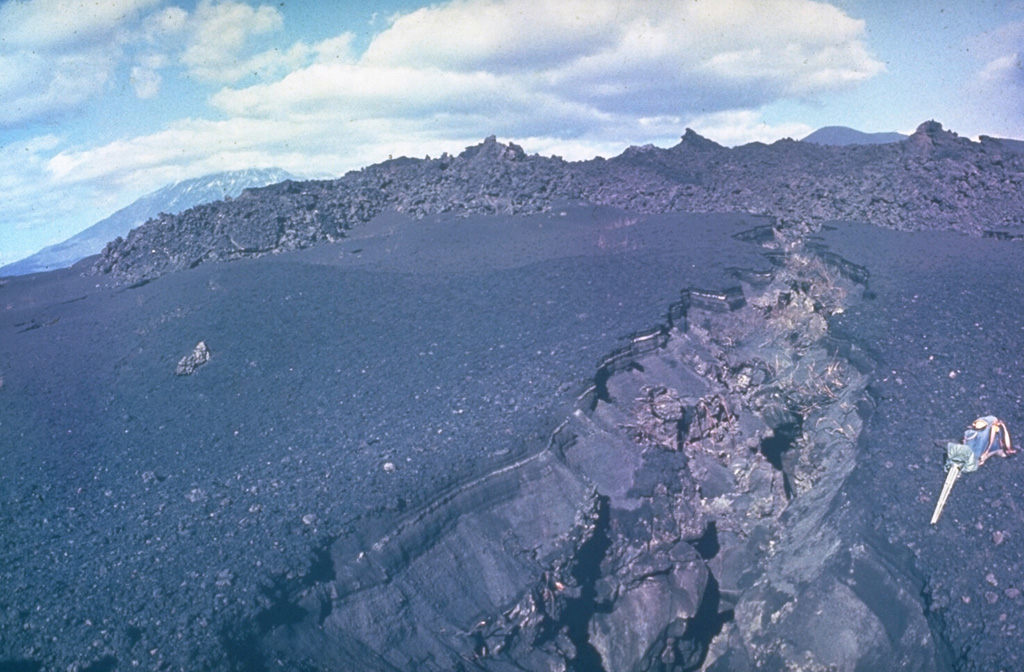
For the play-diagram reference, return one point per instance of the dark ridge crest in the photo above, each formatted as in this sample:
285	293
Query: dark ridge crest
933	180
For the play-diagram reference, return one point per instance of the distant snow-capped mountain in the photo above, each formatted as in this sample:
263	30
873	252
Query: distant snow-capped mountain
842	135
171	199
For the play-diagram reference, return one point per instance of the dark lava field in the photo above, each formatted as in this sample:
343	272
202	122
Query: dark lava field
337	426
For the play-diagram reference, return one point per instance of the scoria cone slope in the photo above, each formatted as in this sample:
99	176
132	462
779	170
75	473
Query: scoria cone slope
504	412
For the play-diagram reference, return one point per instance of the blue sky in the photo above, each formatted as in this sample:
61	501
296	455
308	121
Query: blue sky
107	100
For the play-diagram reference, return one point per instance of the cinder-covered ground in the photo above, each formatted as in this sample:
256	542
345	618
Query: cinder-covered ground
945	320
499	443
146	514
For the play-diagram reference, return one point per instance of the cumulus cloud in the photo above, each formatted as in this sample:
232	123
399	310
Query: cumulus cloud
165	25
1004	50
551	66
54	24
994	101
192	147
37	86
217	43
57	54
497	36
145	82
1005	69
627	55
221	35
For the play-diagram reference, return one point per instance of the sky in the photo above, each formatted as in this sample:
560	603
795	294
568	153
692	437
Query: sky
102	102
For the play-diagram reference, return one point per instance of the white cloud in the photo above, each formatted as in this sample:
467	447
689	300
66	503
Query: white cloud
634	56
996	100
194	147
266	65
554	65
165	25
145	81
1005	69
34	85
1004	49
495	35
57	54
62	24
221	36
353	91
993	103
219	43
36	212
739	127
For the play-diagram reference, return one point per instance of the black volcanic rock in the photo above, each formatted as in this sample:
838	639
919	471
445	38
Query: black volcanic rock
932	180
693	141
933	141
1001	144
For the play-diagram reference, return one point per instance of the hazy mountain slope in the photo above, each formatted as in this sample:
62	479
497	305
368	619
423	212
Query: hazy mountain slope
172	198
843	135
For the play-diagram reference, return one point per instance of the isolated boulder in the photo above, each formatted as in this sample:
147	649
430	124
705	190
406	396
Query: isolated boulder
189	363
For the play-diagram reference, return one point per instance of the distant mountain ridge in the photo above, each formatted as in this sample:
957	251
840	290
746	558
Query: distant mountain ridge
173	198
934	179
843	135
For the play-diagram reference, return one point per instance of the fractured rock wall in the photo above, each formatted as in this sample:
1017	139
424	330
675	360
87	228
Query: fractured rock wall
688	515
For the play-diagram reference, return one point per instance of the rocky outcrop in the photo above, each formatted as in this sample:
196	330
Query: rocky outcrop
932	180
189	363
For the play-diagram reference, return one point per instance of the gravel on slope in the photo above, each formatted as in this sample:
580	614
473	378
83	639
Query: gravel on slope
945	321
144	511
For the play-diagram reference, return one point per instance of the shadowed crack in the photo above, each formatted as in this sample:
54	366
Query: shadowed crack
669	555
783	438
578	611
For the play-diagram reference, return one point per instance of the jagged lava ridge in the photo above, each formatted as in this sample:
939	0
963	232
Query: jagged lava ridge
932	180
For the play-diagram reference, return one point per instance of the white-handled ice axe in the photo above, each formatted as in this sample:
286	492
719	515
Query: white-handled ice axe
960	458
951	476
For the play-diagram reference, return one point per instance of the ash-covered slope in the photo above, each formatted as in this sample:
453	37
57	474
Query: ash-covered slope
168	519
932	180
172	199
944	325
457	441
